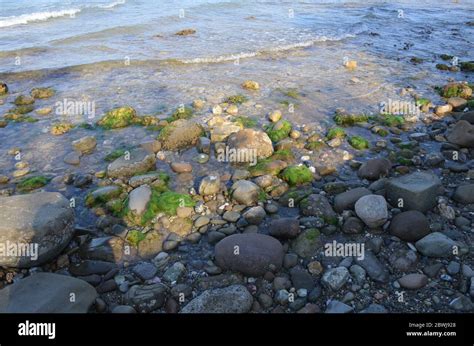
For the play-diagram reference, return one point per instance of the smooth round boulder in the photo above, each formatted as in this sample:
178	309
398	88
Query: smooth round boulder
245	192
410	226
464	194
372	209
38	226
413	281
251	254
251	140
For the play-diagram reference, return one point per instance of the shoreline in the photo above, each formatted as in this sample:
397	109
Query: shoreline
169	214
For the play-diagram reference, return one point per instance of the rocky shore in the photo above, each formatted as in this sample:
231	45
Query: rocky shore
372	214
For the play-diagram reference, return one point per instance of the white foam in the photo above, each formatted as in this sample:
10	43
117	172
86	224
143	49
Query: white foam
37	17
44	16
276	49
113	4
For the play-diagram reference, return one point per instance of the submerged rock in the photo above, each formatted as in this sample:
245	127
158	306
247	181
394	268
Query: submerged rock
126	166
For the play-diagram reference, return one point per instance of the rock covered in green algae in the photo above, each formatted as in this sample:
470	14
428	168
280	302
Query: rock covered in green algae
297	175
24	100
42	93
359	142
3	88
118	118
279	130
137	161
32	183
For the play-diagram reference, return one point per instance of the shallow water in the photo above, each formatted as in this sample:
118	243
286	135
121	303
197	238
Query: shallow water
109	53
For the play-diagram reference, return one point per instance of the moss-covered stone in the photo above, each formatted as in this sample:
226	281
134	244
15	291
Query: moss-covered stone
32	183
61	128
115	154
297	175
22	109
134	237
102	195
279	130
315	145
392	120
237	99
350	119
42	93
290	92
182	113
3	88
416	60
267	166
442	67
20	118
307	243
24	100
283	154
422	101
359	143
456	90
446	57
118	118
381	131
165	202
467	66
336	132
246	122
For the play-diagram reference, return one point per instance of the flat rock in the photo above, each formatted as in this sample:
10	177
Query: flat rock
335	278
416	191
44	221
232	299
138	199
436	245
285	228
337	307
47	293
126	166
85	145
374	268
146	298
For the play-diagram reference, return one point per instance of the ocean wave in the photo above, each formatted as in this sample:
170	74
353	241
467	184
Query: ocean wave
44	16
37	17
276	49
